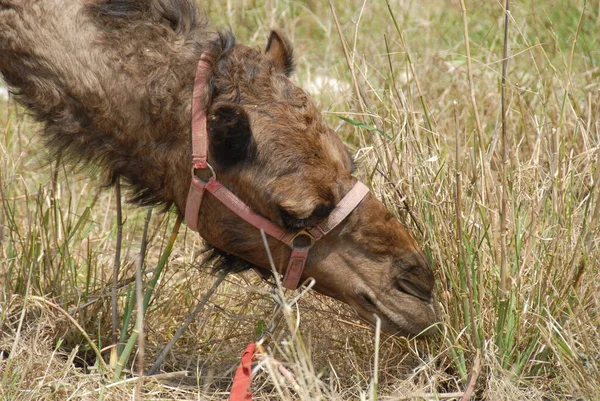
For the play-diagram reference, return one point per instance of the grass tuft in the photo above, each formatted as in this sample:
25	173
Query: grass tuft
502	192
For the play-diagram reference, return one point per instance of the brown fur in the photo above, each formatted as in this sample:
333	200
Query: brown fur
112	81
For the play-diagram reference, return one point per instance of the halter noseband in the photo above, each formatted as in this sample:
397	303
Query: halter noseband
300	242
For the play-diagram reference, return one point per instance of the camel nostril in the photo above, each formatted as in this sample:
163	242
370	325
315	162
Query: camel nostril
410	288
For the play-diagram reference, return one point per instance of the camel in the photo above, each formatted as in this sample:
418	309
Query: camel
112	81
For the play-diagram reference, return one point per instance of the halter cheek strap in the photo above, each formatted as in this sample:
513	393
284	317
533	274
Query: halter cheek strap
199	135
300	242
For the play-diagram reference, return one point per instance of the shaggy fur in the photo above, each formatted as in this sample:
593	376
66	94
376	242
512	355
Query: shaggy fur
112	82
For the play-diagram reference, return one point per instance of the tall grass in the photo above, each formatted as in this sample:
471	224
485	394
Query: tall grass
425	122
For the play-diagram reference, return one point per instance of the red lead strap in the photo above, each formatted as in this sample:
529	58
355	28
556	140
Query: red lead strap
240	389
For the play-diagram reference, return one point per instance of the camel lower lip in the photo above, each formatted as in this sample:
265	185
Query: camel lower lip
390	327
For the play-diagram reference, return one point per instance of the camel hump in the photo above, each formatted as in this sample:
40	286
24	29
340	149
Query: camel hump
42	42
108	80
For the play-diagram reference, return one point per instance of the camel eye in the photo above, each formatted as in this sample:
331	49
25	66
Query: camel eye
322	210
292	222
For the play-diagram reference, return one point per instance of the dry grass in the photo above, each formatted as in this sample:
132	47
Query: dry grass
420	147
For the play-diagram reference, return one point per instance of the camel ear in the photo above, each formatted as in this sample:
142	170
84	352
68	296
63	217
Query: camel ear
229	134
280	52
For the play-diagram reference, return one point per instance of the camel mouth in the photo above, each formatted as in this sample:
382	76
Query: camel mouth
408	315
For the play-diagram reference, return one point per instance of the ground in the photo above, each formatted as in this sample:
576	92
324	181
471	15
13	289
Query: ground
518	285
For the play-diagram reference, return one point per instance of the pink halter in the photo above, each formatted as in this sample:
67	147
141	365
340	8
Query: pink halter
299	248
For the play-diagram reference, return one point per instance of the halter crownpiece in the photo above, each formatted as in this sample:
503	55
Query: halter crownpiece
300	242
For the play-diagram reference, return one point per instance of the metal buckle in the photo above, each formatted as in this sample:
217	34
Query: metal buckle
300	234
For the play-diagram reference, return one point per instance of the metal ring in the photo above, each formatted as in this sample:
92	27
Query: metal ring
212	171
300	233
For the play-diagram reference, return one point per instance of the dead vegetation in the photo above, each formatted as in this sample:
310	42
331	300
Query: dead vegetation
416	138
